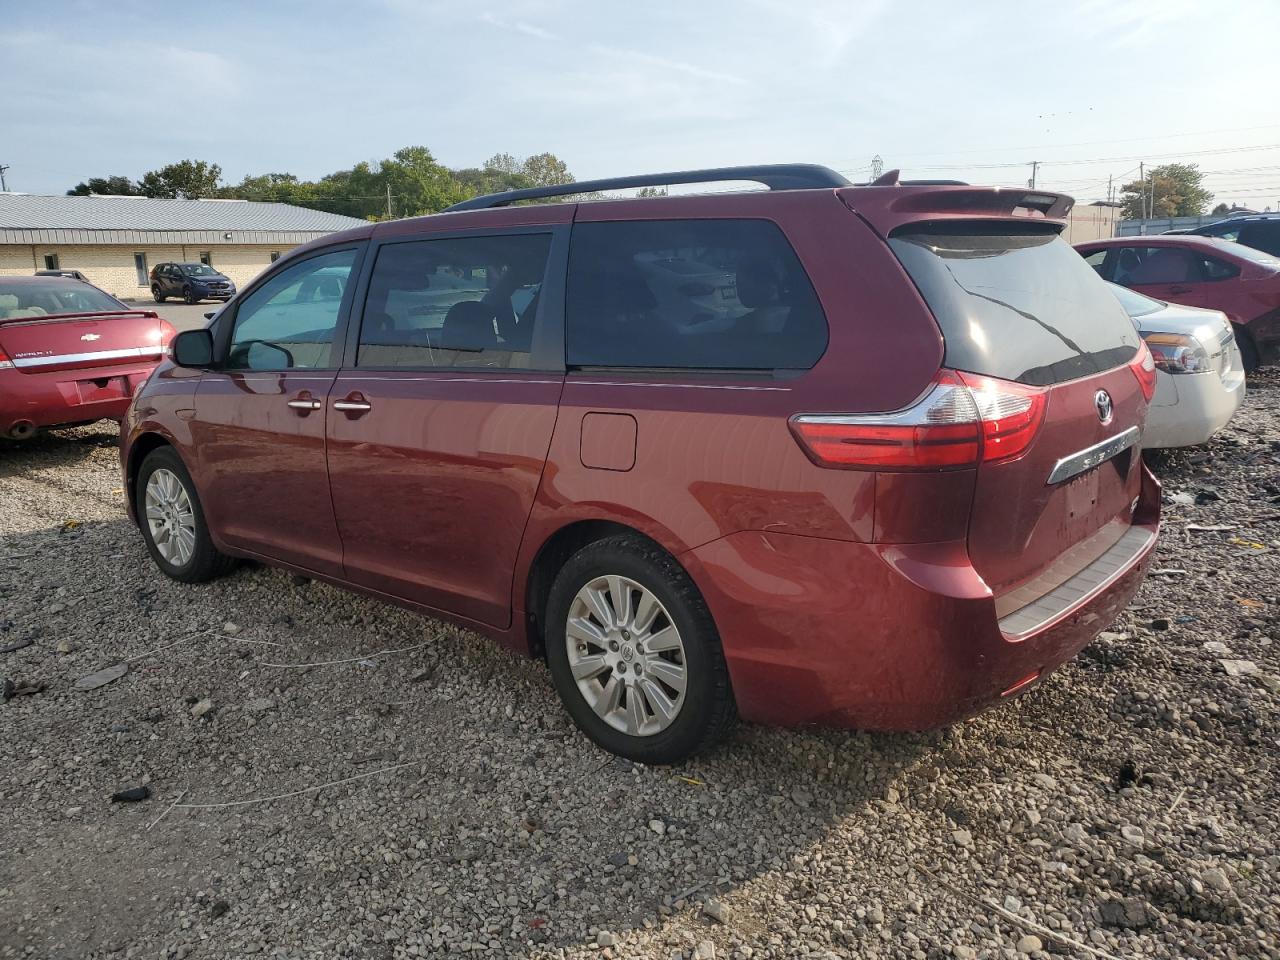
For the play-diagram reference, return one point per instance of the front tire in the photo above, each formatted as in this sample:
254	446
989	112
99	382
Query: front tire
157	295
172	520
634	653
189	296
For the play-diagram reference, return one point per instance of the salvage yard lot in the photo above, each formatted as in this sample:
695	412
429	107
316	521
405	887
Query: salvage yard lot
1131	802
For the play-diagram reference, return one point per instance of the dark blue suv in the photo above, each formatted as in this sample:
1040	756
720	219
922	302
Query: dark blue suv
192	282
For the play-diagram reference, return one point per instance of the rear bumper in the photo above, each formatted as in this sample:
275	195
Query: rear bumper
56	397
889	637
1191	408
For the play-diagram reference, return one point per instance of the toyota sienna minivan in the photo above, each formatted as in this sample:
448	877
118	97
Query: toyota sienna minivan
811	454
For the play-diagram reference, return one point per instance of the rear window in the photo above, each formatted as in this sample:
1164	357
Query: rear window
1016	302
690	294
39	299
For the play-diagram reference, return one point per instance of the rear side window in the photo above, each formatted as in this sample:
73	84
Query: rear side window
454	302
1262	235
690	294
1016	302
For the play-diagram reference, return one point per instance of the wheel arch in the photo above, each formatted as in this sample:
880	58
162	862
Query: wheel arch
139	448
551	556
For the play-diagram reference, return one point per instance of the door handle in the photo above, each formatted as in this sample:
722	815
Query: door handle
353	403
304	403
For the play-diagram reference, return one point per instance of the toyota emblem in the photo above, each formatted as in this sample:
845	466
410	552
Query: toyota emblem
1106	409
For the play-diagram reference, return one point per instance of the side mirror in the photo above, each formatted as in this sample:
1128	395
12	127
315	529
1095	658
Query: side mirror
192	348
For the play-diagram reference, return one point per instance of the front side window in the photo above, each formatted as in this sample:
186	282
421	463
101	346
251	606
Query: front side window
289	321
454	302
691	294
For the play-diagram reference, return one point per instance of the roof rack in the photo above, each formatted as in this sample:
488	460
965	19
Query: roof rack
777	176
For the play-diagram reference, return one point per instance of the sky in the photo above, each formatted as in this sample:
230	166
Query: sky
972	91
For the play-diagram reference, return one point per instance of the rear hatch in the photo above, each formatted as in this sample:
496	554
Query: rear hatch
54	342
1017	304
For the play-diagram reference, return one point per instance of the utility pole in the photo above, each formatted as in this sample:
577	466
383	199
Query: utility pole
1035	165
4	187
389	201
1108	188
1142	186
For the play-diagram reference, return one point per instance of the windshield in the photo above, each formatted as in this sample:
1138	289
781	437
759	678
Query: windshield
1134	303
39	299
1016	302
198	270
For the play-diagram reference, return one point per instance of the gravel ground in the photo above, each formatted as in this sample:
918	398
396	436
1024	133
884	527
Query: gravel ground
1129	803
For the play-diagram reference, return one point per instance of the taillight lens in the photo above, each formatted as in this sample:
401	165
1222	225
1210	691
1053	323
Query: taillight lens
1143	366
962	420
1175	353
5	362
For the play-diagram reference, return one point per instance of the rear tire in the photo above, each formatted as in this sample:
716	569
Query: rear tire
172	520
620	680
157	295
1249	358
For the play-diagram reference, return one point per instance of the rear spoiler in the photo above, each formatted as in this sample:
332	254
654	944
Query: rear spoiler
88	315
888	207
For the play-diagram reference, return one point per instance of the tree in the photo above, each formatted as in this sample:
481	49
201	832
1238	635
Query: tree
186	180
644	192
106	186
546	170
1221	210
1172	190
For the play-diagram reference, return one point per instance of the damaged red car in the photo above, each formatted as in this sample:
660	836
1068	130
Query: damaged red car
70	354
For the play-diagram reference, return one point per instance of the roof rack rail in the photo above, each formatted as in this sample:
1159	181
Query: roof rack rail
776	176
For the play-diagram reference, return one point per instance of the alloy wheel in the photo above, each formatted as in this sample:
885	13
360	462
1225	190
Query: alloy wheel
626	655
170	517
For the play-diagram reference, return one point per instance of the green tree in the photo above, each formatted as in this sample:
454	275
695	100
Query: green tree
546	170
651	192
1221	210
106	186
185	180
1172	190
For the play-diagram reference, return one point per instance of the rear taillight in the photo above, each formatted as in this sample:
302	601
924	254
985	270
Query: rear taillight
1176	353
167	332
963	419
5	362
1143	366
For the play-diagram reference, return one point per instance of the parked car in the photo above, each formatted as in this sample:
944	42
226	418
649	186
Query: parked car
73	274
1259	230
1242	282
902	486
192	282
70	354
1199	373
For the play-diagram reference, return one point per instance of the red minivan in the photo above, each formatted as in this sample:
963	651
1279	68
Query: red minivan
818	453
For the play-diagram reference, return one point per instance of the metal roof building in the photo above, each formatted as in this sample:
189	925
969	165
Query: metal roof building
26	218
115	241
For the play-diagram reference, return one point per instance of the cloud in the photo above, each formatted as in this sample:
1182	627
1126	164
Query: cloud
664	63
518	26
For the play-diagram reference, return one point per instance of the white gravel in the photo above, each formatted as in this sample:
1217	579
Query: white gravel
1128	804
